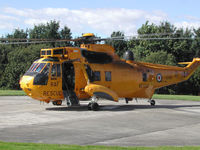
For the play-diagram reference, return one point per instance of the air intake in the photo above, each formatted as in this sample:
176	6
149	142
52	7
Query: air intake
128	55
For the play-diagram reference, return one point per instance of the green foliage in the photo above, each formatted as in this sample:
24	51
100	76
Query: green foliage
120	46
51	31
160	57
65	33
18	62
18	33
45	31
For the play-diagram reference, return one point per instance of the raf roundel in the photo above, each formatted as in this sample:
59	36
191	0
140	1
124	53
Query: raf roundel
159	77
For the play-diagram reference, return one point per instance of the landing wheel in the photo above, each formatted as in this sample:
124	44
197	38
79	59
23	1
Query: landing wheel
93	106
152	102
57	103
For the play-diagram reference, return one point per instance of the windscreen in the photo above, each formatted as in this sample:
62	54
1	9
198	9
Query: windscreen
36	67
42	77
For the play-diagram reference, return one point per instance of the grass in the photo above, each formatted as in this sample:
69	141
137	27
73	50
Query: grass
34	146
177	97
12	93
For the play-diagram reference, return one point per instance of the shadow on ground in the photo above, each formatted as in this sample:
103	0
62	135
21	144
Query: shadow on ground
119	107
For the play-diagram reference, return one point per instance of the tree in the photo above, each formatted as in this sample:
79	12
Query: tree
120	46
38	32
160	57
65	33
4	50
18	33
45	31
18	62
196	42
51	30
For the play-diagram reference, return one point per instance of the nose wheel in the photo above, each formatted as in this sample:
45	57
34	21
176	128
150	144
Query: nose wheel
93	106
152	102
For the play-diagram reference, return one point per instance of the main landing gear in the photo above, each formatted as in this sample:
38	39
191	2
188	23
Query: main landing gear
93	105
152	102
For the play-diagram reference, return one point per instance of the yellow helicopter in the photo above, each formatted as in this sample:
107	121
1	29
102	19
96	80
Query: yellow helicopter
94	71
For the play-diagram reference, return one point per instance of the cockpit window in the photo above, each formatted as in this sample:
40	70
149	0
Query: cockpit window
40	67
42	78
29	70
46	69
36	67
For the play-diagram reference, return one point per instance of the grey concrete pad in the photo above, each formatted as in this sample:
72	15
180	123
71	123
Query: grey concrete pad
170	122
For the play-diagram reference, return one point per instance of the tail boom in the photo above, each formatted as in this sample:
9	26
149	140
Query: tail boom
168	75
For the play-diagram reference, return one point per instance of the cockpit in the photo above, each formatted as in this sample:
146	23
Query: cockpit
40	71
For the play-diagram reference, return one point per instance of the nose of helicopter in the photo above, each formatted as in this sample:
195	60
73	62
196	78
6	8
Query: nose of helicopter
25	84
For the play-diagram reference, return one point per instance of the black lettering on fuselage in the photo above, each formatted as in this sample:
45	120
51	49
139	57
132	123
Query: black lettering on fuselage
52	93
54	83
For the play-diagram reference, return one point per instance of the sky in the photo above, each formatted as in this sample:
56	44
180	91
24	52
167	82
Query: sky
100	17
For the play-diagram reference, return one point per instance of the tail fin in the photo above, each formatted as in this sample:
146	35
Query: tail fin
191	67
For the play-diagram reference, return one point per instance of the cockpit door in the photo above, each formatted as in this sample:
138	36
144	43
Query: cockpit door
54	88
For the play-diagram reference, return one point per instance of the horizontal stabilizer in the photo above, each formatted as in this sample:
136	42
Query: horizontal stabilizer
184	63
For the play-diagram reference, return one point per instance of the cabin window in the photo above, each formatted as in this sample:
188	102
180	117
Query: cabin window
97	76
43	52
108	76
58	51
144	76
58	70
53	70
49	52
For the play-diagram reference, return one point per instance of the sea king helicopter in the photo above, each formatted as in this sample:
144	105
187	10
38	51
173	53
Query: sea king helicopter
94	71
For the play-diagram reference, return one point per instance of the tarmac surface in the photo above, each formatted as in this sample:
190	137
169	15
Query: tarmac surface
170	122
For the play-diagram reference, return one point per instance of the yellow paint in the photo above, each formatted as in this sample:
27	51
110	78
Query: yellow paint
88	34
92	88
129	79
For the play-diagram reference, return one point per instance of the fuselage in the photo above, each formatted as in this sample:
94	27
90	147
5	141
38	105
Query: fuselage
73	69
